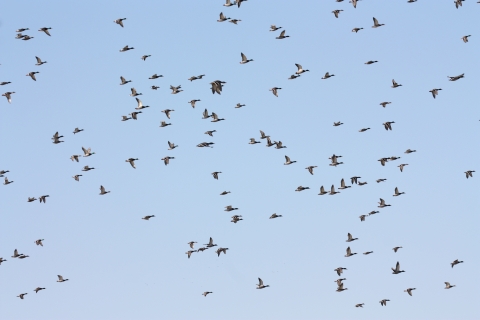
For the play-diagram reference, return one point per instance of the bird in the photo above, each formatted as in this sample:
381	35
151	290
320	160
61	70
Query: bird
234	21
215	118
300	70
384	104
31	199
362	183
371	62
397	270
388	125
409	290
349	253
222	18
275	91
455	78
244	59
230	208
167	112
39	242
210	133
300	188
192	102
123	81
210	243
395	84
465	38
239	105
21	295
163	124
410	151
196	77
448	285
205	145
402	166
356	29
332	191
396	249
310	169
350	238
367	253
397	193
32	75
132	162
77	177
354	3
217	86
288	161
120	21
434	92
229	4
144	57
322	191
171	145
126	48
87	152
253	141
125	118
166	160
77	130
38	289
148	217
469	173
239	2
339	270
175	90
2	260
191	244
44	29
382	204
15	254
8	95
26	38
215	174
340	281
273	216
22	29
359	305
102	191
4	83
225	193
155	76
207	292
274	28
279	145
141	106
455	262
260	284
39	61
60	279
75	157
43	198
376	24
362	217
340	288
336	12
363	129
282	35
87	168
7	181
458	3
343	186
189	253
220	250
355	179
327	75
336	124
134	93
384	302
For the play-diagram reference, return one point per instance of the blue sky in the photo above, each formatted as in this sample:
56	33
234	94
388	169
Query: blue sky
122	267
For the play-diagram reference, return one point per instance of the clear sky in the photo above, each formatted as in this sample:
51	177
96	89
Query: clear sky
122	267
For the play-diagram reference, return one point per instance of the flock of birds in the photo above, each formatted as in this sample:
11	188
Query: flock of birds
217	87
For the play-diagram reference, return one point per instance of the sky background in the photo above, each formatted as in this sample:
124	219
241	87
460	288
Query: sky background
123	267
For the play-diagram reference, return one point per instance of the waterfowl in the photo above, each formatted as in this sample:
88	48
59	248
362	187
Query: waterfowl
327	75
229	4
77	177
39	61
336	13
123	81
275	91
269	143
371	62
205	145
26	37
39	242
469	173
244	59
166	160
234	21
356	29
126	48
362	183
2	260
362	217
342	185
363	129
102	191
220	250
260	284
7	182
339	270
350	238
3	172
155	76
132	162
21	295
60	279
15	254
354	179
332	191
282	35
215	118
354	3
148	217
300	69
388	125
434	92
134	93
300	188
273	216
288	161
274	28
210	133
192	102
23	256
383	161
396	249
465	38
230	208
458	3
31	199
411	1
77	130
217	86
44	29
201	249
397	269
75	157
402	166
262	135
367	253
20	36
359	305
382	204
456	77
448	285
32	75
196	77
144	57
252	141
335	161
210	243
171	145
4	83
239	105
175	90
310	169
189	253
454	263
376	24
349	253
43	198
167	112
120	21
225	193
87	152
215	174
340	281
336	124
207	292
279	145
410	151
384	104
239	2
397	193
409	291
22	29
222	18
8	95
384	302
87	168
125	118
164	124
38	289
322	191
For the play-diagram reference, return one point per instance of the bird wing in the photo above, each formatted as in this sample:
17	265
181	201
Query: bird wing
375	21
342	183
102	189
140	104
287	159
282	34
260	282
397	267
38	59
244	57
396	190
60	277
349	252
